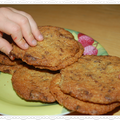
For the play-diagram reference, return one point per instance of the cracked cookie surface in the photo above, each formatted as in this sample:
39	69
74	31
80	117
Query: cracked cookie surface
93	78
32	84
58	50
74	104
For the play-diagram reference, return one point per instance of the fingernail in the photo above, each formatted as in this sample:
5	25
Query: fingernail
34	42
11	56
40	37
26	45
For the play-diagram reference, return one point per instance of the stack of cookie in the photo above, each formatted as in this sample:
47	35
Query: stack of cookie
56	70
90	86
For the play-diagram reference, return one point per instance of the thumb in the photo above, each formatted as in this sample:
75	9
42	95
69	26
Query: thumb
5	46
1	34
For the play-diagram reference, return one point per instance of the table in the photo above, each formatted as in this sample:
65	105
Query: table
101	22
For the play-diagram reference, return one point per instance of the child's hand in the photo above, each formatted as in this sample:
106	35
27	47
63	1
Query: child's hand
18	24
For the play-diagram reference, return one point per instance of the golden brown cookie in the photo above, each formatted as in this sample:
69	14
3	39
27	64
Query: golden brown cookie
10	69
58	50
33	84
5	60
74	104
52	31
93	78
7	65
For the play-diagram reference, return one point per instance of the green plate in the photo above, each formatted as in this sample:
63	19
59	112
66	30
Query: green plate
12	104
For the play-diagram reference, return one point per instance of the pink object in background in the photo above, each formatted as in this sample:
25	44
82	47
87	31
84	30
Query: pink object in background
90	50
87	43
85	40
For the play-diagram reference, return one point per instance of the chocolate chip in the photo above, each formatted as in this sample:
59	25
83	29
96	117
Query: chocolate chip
6	71
29	57
107	97
77	107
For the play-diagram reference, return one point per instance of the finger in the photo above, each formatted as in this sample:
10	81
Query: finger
23	22
5	46
13	29
1	34
34	27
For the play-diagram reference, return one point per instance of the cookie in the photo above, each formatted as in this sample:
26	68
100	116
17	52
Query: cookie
58	50
52	31
5	60
7	65
93	78
32	84
74	104
10	69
